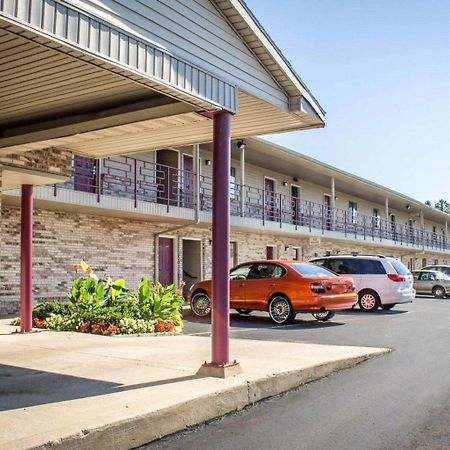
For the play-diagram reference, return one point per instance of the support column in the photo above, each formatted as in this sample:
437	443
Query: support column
333	203
242	173
220	311
422	229
386	208
26	259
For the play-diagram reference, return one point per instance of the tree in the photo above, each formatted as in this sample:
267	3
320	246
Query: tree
428	203
443	205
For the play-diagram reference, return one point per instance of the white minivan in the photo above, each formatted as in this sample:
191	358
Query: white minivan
381	281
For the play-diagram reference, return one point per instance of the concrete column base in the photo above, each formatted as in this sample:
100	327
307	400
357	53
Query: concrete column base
225	371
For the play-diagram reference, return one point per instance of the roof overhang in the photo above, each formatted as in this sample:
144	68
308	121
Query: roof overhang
100	43
263	47
303	168
15	177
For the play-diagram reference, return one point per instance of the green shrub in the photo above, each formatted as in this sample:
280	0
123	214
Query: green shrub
43	310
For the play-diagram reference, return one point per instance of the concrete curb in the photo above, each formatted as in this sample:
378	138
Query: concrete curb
143	429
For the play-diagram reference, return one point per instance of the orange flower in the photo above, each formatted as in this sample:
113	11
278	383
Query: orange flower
75	267
89	270
178	292
182	284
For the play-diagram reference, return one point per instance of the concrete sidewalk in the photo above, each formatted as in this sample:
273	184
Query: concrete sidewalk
72	390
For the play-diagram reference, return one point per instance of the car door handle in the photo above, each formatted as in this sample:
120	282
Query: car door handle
272	284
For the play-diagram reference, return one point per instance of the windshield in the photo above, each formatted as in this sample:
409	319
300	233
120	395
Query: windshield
399	267
312	270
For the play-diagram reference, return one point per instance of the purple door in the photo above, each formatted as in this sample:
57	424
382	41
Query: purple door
84	173
327	211
269	199
188	181
269	252
165	261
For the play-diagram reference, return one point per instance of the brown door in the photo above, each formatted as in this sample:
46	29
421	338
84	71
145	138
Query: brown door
269	252
165	261
188	181
327	211
167	177
269	198
295	205
84	173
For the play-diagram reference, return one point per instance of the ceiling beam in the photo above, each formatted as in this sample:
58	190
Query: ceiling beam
154	107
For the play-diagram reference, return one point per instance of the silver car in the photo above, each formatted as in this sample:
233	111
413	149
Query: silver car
432	282
381	281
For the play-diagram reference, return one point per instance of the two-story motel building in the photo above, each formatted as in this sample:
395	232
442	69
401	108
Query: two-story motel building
150	214
100	79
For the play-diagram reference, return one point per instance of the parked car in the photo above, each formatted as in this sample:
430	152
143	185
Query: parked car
381	282
432	282
283	288
440	267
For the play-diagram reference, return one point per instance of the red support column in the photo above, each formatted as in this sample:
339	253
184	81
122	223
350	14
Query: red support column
220	311
26	259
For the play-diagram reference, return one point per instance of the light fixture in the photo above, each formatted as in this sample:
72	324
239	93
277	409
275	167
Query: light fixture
408	206
285	183
240	145
207	162
295	179
286	248
336	197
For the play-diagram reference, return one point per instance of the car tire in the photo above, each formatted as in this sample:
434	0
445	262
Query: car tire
388	307
280	310
201	304
244	311
438	292
369	301
323	316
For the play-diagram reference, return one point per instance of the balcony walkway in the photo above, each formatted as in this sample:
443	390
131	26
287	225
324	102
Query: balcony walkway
126	184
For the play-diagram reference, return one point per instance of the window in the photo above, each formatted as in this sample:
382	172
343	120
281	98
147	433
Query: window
241	272
376	217
353	212
427	276
424	262
233	254
296	253
233	184
356	266
399	267
264	271
312	270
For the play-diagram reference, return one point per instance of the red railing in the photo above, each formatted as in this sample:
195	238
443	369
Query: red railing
147	181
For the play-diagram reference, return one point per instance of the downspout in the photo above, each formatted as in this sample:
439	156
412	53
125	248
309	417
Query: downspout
196	221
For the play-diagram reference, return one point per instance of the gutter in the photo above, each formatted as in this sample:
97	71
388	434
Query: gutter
196	221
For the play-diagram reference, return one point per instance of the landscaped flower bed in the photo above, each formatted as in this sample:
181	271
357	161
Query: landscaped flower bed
103	306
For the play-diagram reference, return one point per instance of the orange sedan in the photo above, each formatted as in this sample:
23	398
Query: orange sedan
283	288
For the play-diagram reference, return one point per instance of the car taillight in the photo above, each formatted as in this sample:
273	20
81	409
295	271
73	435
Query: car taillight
396	277
317	288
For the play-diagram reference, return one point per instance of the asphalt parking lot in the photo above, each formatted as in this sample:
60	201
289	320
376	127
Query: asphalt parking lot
401	400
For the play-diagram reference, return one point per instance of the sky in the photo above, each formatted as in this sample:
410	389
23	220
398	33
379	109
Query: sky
381	71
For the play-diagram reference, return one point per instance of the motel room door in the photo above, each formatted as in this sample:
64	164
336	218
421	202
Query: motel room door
85	172
188	181
269	199
165	261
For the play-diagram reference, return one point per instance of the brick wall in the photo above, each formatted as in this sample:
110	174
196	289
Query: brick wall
125	248
52	160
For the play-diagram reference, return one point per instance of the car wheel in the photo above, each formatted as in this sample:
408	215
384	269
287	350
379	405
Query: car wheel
280	310
323	316
387	307
244	311
369	301
438	291
201	304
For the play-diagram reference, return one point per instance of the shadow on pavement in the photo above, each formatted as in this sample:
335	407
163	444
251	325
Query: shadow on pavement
21	387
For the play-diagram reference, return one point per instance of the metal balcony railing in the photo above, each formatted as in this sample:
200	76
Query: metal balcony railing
146	181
